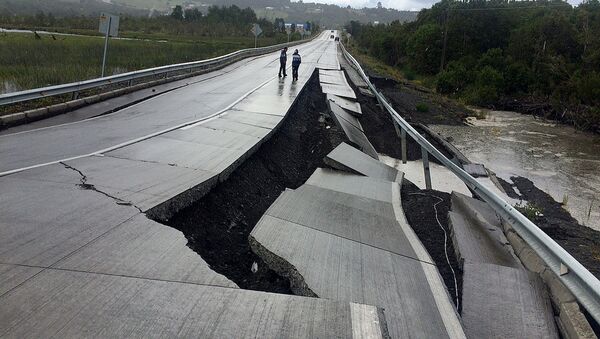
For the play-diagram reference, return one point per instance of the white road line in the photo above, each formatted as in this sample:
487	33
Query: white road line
130	142
184	126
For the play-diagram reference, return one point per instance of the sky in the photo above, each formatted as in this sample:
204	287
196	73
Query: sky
407	5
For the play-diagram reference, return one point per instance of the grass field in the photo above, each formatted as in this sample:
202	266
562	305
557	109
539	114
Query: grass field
29	63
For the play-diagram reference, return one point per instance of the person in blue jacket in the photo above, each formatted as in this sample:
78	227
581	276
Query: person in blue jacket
283	61
296	61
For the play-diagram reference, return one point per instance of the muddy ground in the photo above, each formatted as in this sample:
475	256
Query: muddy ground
581	242
217	226
421	215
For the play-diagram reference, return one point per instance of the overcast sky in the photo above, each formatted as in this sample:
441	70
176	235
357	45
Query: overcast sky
408	5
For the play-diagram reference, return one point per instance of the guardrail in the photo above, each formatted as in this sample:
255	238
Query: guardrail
583	284
76	87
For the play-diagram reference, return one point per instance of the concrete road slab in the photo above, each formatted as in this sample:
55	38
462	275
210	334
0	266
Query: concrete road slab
477	234
341	91
236	127
353	129
337	268
188	154
349	105
42	222
356	79
12	276
442	179
266	103
347	158
214	137
504	302
351	184
475	242
143	248
344	115
268	121
75	304
343	215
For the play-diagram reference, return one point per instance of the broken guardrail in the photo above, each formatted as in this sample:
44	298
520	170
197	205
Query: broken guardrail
583	284
76	87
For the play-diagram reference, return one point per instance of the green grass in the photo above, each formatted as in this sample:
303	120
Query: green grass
29	63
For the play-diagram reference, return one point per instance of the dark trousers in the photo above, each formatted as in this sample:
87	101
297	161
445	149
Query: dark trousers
295	72
282	69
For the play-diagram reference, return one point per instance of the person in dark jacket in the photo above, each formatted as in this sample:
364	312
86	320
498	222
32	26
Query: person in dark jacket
296	61
282	62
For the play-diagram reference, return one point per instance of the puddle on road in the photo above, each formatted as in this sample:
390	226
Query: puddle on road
560	160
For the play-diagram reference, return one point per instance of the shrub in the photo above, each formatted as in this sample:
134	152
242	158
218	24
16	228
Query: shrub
421	107
530	210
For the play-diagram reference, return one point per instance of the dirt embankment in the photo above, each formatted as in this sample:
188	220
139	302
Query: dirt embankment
581	242
218	225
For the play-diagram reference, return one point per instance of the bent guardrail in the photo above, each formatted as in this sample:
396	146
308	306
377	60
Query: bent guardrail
583	284
76	87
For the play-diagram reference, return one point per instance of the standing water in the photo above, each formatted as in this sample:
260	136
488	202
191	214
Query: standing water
558	159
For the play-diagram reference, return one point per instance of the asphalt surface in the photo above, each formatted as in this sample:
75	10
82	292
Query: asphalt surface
204	96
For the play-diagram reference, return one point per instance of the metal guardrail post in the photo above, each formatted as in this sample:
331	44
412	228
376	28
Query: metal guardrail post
425	156
583	284
403	144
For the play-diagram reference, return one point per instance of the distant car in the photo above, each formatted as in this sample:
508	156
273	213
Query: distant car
337	38
332	36
332	31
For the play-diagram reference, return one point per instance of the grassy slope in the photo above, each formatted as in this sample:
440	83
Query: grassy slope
30	63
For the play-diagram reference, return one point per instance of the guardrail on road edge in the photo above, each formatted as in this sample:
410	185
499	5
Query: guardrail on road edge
76	87
583	284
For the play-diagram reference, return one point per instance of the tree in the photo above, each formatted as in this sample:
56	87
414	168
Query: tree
293	28
379	5
177	13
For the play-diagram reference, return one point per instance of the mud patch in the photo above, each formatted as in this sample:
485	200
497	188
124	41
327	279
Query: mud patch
581	242
421	215
379	128
218	225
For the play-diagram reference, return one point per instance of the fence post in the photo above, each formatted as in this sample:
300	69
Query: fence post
425	157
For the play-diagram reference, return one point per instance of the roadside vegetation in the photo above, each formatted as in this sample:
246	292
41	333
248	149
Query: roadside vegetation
539	57
31	61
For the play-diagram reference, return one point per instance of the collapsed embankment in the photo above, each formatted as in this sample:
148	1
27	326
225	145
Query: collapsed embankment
218	225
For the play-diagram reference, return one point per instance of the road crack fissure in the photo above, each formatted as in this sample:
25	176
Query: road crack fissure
86	186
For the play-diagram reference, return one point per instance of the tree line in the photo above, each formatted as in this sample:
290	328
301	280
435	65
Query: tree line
218	21
533	56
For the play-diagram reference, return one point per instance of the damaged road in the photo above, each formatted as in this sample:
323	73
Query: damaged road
218	225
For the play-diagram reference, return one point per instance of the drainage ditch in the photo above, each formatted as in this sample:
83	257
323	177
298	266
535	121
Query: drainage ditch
218	225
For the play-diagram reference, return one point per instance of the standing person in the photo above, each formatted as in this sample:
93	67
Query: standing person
283	61
296	61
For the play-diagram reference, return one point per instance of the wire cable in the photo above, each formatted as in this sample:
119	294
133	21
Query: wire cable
445	242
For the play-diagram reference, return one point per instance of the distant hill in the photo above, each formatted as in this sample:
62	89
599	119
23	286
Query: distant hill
67	7
326	15
330	15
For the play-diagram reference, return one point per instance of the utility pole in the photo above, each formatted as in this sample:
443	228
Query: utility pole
443	61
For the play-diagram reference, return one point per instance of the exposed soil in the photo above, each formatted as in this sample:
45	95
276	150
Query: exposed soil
405	98
218	225
379	128
581	242
421	215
